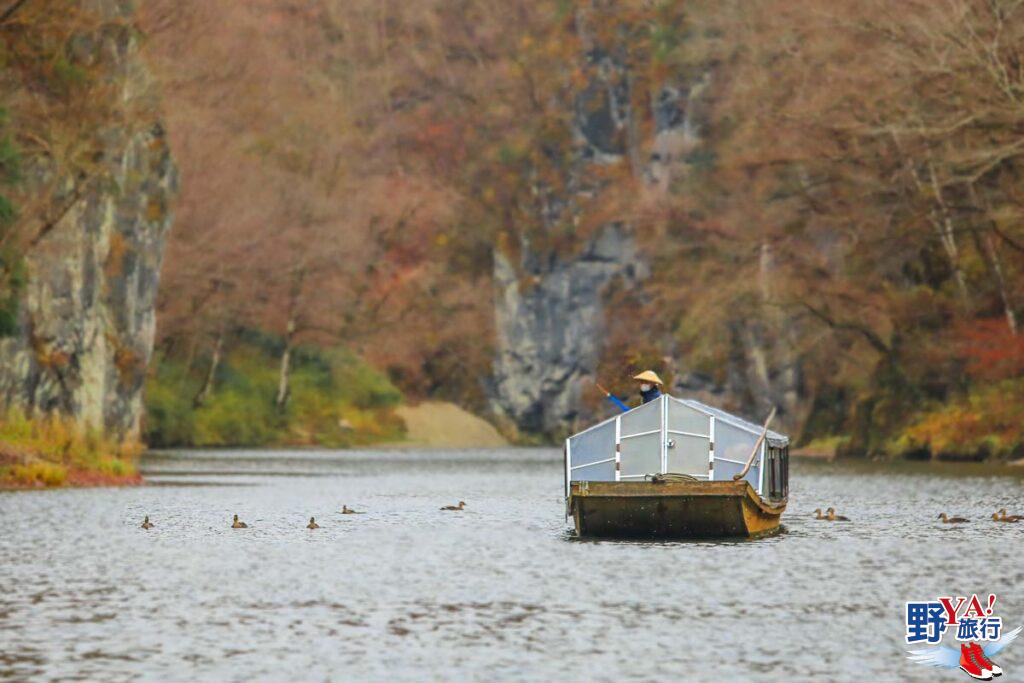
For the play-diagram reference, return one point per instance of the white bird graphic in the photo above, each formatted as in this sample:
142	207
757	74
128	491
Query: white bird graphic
943	657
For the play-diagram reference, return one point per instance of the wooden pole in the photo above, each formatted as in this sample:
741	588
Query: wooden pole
757	447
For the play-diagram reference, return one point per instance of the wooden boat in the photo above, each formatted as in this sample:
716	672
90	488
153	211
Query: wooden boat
676	468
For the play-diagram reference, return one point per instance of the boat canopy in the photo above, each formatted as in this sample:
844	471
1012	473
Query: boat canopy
683	436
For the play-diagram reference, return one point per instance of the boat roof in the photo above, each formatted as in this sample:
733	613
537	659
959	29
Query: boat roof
774	439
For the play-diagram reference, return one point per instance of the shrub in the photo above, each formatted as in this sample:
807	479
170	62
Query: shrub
44	450
987	422
335	400
38	473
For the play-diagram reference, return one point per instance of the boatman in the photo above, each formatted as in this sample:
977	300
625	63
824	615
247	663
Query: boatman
650	385
650	388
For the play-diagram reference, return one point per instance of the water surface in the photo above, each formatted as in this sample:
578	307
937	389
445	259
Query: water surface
502	591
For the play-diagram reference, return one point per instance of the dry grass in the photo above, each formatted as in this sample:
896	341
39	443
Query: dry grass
55	451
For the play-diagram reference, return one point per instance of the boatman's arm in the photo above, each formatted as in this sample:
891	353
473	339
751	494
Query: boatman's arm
622	406
614	399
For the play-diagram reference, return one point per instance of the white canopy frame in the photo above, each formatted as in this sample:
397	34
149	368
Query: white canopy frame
597	453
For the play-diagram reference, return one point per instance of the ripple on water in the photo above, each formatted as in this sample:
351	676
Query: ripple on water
499	590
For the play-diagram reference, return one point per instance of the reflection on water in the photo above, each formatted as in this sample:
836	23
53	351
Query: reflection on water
500	590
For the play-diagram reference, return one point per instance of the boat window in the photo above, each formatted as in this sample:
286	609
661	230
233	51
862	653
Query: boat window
733	443
646	418
683	418
641	455
785	472
688	454
774	465
589	447
604	471
724	471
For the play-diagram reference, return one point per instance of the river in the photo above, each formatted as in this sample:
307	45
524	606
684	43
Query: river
406	592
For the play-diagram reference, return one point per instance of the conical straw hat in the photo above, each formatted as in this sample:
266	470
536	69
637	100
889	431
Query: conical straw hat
648	376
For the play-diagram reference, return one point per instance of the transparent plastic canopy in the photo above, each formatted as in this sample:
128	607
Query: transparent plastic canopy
674	435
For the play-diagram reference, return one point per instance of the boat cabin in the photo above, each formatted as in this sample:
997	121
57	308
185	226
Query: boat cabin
678	436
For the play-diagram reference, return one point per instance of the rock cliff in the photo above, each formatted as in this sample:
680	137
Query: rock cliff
549	307
86	315
550	324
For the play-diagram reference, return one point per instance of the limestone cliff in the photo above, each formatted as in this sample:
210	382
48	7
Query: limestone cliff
550	323
549	307
93	253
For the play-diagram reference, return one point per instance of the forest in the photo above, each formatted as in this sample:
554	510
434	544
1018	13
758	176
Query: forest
793	203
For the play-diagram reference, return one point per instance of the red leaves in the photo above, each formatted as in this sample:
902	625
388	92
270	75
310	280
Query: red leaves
991	350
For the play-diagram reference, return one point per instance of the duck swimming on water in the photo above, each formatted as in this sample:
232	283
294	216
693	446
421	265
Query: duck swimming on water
461	505
146	524
833	517
818	515
312	524
346	510
952	520
239	525
1001	516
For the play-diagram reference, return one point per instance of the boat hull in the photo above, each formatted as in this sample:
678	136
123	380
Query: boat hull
699	509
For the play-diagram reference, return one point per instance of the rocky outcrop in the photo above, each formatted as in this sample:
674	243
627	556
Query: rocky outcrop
86	318
550	321
549	307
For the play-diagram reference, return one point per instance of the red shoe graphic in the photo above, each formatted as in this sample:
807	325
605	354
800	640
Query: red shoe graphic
970	665
984	661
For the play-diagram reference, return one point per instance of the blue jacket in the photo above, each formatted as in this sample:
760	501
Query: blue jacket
649	396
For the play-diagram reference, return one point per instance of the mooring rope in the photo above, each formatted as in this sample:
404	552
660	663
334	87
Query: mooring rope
669	477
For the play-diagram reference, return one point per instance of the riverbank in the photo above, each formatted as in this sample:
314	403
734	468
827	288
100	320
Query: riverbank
438	424
43	475
334	399
53	452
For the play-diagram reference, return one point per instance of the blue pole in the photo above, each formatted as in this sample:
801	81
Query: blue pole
622	406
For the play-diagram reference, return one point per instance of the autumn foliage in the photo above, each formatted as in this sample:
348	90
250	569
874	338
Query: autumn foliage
839	233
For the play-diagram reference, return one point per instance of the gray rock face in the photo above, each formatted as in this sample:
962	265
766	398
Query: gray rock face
550	326
549	309
86	319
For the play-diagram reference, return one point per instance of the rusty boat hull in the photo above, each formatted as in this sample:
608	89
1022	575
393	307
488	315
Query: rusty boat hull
698	509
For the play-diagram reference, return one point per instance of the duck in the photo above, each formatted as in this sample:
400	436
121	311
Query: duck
461	505
346	510
146	524
1001	516
239	525
952	520
818	515
312	524
833	517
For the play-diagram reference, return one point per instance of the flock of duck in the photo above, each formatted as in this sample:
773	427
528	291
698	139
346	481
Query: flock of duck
997	516
345	510
828	516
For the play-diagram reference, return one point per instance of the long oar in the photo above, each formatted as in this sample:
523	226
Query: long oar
614	399
757	447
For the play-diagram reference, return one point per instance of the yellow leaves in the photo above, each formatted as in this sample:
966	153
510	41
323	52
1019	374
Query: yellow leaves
38	474
51	450
988	421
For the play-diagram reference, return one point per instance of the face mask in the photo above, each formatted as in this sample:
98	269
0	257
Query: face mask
645	387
